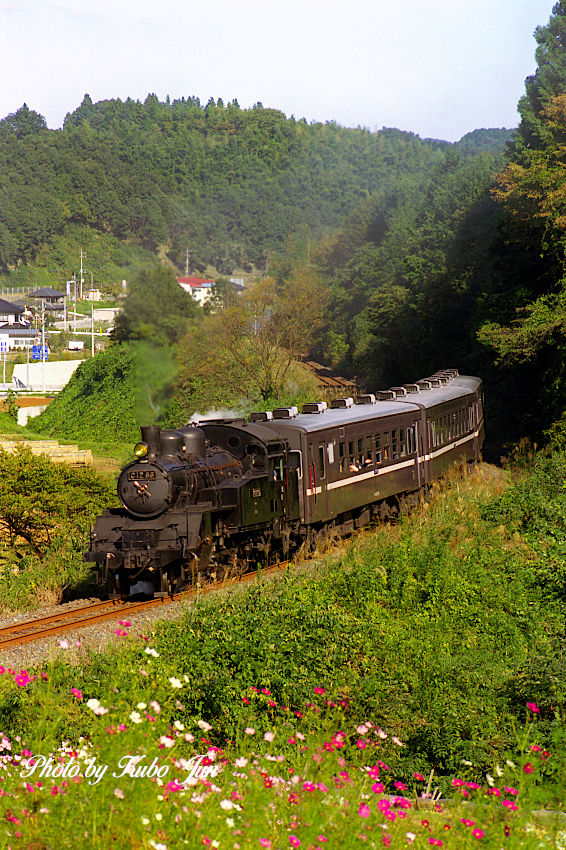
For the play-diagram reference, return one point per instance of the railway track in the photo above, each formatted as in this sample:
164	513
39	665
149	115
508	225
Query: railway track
30	631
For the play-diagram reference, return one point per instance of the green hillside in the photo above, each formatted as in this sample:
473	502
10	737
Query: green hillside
228	184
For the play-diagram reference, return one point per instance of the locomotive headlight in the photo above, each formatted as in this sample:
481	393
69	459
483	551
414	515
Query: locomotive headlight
141	449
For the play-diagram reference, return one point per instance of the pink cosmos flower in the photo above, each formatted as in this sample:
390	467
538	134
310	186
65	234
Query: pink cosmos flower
76	693
265	842
364	810
532	706
528	768
467	822
509	804
418	777
319	690
478	833
294	841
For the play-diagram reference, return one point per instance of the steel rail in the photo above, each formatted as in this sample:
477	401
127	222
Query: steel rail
29	631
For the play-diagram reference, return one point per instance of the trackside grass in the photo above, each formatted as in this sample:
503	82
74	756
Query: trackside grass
408	691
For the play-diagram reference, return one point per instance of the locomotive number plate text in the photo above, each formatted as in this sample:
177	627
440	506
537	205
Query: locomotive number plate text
142	475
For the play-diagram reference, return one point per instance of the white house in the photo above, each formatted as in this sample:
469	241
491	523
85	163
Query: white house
200	288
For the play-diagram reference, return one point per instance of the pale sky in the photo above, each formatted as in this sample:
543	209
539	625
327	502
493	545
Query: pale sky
439	68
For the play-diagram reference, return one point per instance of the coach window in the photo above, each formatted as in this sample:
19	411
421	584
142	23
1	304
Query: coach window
402	446
394	445
378	448
411	440
369	452
361	458
386	447
342	454
321	463
294	462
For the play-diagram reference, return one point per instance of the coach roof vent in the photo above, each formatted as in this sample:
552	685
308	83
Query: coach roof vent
341	402
434	382
261	416
399	391
315	407
285	412
424	385
412	388
368	398
449	373
385	395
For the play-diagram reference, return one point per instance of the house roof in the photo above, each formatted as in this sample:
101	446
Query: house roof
18	330
46	292
195	281
8	307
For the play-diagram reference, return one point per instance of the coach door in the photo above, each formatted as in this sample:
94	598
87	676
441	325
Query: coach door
317	490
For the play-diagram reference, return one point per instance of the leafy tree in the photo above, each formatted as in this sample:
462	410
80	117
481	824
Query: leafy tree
40	500
266	329
156	309
548	81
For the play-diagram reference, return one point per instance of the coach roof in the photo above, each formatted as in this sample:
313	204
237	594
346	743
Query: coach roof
339	417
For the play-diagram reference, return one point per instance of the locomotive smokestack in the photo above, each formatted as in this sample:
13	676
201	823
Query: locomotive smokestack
151	434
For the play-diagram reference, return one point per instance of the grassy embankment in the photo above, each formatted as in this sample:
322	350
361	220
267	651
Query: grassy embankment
435	644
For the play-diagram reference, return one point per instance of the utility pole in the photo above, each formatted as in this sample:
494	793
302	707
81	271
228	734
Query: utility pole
43	346
187	263
92	334
83	257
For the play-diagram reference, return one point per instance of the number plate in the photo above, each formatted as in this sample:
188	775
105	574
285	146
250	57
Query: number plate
142	475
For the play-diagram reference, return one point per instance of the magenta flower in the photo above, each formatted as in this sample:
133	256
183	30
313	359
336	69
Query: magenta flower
478	833
418	777
76	693
294	841
364	810
265	842
532	706
528	768
509	804
319	690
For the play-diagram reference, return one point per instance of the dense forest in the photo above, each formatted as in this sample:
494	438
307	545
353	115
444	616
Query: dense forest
418	254
228	184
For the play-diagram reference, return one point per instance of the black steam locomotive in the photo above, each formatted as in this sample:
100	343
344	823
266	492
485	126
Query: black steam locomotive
201	499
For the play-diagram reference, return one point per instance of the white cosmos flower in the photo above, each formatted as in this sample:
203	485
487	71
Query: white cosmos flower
149	651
